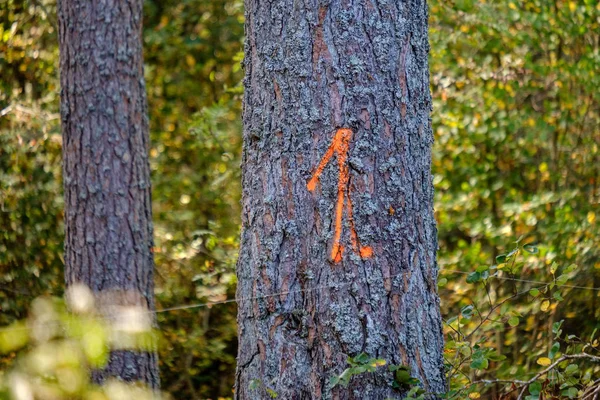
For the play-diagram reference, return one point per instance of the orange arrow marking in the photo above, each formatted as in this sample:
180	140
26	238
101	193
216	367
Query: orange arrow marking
340	146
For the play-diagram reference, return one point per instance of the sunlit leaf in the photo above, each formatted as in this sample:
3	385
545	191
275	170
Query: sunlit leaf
544	361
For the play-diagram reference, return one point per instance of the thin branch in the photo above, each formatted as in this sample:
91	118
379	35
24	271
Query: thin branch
552	366
494	308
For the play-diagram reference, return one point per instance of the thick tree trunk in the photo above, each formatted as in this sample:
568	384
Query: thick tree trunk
338	249
108	221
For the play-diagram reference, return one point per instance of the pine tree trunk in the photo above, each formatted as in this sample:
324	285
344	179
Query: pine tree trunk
338	247
108	218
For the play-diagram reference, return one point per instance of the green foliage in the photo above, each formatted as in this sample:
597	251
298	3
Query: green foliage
258	385
560	365
404	381
193	73
31	201
516	120
402	378
516	117
360	364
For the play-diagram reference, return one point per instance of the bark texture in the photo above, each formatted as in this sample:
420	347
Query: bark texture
319	278
108	221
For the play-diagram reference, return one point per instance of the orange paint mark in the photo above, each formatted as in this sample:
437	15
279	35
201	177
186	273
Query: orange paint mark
340	146
336	253
366	252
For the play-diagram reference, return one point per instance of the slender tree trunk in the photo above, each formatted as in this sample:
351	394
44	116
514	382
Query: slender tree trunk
108	221
338	248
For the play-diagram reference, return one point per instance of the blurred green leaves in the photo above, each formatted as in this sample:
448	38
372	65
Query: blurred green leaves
59	349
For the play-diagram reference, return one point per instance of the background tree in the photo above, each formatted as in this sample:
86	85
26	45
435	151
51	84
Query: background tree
337	200
191	47
108	216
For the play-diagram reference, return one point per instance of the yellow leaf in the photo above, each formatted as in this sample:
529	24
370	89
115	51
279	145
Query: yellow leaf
474	395
164	20
545	305
190	60
378	363
572	6
544	361
591	217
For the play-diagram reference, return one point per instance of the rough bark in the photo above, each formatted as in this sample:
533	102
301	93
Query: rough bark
349	81
108	218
